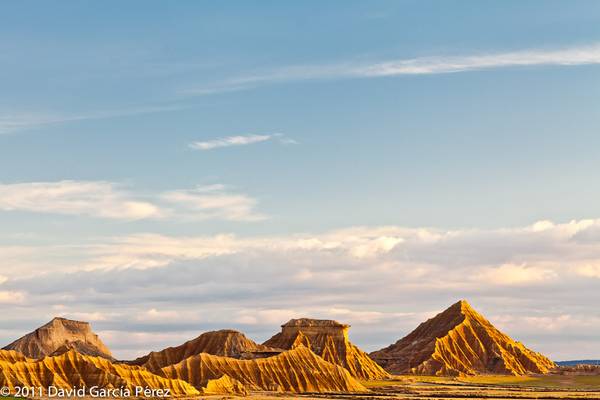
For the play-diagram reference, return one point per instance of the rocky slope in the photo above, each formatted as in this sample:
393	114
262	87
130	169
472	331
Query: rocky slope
328	339
11	356
72	369
298	370
459	341
227	343
61	335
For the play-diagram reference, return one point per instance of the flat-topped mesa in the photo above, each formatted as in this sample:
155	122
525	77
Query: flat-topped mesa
460	341
225	342
314	327
328	339
59	336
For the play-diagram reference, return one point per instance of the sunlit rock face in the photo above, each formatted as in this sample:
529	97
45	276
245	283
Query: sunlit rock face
299	370
328	339
58	336
236	365
72	369
459	341
226	342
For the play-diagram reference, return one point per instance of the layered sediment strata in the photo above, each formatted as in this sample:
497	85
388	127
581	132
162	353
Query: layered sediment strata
299	370
226	343
74	370
328	339
459	341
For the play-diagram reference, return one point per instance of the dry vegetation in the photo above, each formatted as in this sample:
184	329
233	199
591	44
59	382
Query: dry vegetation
490	387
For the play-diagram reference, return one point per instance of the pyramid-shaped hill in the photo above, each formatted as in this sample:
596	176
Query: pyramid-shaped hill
59	336
459	341
226	343
328	339
297	371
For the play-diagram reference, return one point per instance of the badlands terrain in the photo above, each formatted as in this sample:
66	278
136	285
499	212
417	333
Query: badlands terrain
456	354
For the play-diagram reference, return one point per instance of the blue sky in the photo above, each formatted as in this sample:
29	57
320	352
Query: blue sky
355	133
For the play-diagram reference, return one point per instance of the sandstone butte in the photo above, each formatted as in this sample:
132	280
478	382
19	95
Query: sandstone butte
226	342
59	336
459	341
297	370
328	339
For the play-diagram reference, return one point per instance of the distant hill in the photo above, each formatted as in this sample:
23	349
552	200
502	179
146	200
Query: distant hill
225	343
577	362
297	370
459	341
59	336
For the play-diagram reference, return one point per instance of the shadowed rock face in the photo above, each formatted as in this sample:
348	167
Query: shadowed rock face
58	336
459	341
328	339
298	370
226	342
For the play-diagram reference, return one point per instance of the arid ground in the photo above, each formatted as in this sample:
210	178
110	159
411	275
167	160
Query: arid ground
480	387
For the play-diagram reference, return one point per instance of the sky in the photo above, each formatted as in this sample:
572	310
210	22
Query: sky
168	168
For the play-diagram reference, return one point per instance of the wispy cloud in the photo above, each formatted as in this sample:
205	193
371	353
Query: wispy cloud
17	121
101	199
214	202
444	64
95	198
241	140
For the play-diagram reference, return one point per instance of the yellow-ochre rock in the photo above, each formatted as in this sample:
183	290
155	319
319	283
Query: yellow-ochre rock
72	369
11	356
459	341
328	339
298	370
226	342
224	385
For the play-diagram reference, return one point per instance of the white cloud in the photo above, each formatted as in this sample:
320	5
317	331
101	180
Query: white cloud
512	274
568	56
440	65
96	199
167	316
241	140
229	141
390	277
87	316
589	270
12	297
134	251
108	200
214	202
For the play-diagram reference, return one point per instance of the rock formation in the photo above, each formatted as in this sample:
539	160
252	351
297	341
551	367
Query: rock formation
72	369
227	343
60	335
225	385
459	341
298	370
328	339
11	356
